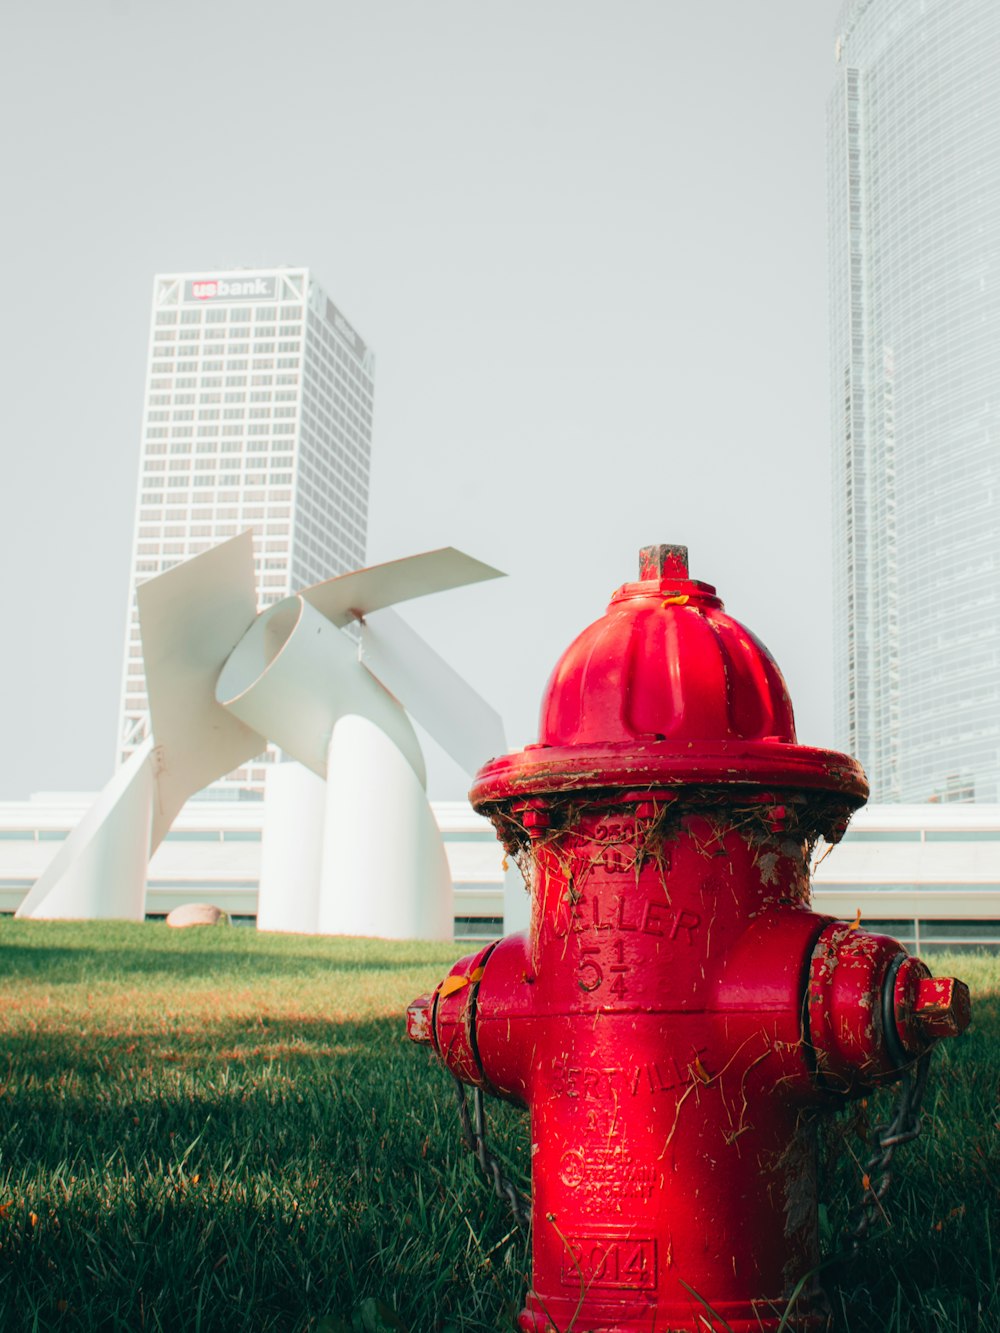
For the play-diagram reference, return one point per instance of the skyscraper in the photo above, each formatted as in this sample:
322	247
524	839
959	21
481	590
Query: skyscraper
258	414
914	193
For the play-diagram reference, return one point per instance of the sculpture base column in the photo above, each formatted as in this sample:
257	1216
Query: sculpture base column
291	854
384	872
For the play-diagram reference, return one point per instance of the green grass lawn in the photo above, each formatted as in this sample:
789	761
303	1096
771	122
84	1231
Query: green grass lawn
219	1130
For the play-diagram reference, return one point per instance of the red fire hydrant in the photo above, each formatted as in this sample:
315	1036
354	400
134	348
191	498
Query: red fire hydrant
676	1015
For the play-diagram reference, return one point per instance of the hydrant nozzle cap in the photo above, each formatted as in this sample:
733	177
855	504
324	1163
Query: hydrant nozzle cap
418	1020
943	1007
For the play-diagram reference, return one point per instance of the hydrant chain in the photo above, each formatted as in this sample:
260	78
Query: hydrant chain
904	1127
475	1141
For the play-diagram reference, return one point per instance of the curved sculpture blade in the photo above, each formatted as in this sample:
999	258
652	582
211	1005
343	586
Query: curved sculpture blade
293	675
459	719
351	596
191	618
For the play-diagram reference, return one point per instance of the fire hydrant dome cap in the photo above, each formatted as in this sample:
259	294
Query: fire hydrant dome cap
666	687
665	662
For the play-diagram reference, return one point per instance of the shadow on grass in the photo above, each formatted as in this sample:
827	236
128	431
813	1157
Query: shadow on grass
243	1090
263	1179
151	1046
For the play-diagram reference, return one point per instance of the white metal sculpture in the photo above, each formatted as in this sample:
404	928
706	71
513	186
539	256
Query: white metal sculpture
363	856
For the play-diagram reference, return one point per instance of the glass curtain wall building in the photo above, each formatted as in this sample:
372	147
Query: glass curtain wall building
914	192
258	414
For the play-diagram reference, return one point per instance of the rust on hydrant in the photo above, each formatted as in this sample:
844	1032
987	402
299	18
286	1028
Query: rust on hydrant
676	1017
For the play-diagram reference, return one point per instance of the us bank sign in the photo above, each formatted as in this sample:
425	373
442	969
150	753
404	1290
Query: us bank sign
231	289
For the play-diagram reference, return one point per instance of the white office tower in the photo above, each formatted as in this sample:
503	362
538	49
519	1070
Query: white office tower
258	415
914	174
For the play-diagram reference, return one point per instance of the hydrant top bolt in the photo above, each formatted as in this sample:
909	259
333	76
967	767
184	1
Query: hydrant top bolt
663	562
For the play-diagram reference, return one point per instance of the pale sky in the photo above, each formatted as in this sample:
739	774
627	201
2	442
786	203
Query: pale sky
586	241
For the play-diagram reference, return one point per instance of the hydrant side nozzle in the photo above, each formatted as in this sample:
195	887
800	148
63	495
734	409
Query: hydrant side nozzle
873	1009
467	1018
442	1018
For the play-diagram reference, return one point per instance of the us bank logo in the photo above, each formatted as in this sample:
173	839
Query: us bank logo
231	289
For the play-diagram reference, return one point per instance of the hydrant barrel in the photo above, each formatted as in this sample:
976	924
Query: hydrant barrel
676	1017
